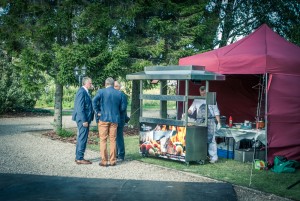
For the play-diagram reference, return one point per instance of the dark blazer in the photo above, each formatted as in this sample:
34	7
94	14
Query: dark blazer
83	108
109	103
123	115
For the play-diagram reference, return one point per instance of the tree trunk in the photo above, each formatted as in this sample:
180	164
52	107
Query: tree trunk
58	107
135	104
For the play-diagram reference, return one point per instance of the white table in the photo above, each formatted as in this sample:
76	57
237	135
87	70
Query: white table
239	134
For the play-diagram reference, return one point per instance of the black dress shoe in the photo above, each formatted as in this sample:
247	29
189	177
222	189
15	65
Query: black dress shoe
85	162
102	164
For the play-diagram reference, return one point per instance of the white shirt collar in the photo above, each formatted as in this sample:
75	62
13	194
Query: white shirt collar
86	89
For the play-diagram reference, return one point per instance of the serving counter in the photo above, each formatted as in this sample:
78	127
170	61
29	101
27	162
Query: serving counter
165	137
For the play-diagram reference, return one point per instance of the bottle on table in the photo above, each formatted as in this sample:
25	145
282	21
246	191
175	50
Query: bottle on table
230	122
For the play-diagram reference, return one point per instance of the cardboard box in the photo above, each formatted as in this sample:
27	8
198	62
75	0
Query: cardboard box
248	155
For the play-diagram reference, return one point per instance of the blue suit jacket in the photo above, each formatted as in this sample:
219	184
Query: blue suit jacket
109	103
83	108
123	114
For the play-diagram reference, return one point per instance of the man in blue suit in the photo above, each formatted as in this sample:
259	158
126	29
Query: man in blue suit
83	114
108	104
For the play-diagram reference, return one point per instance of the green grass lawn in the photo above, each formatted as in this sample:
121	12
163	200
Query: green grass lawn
228	170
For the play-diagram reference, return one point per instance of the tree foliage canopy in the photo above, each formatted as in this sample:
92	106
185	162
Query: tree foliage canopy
116	37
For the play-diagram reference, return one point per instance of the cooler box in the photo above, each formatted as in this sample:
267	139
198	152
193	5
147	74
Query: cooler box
225	147
223	153
246	155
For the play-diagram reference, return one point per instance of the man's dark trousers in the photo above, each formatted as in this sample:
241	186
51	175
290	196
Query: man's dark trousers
120	142
82	137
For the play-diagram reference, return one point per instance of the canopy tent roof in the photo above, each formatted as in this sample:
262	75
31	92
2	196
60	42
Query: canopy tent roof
263	51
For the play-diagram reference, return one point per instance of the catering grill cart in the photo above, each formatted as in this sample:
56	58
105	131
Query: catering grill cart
173	137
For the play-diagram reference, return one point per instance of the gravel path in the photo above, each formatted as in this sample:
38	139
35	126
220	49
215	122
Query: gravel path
24	150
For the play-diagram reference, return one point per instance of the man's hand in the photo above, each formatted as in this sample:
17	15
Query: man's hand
85	124
218	126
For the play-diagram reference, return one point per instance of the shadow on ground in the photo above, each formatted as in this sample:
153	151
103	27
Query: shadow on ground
37	187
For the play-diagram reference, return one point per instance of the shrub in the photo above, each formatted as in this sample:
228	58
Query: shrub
65	133
13	96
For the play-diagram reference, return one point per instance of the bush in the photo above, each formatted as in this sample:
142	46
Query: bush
46	100
13	96
65	133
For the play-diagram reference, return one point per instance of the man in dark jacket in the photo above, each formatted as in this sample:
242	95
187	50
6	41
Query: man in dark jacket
108	104
83	114
123	119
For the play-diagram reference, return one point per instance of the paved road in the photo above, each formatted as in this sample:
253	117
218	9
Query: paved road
31	124
33	167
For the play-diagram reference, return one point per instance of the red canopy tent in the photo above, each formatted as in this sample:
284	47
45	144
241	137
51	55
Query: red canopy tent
245	63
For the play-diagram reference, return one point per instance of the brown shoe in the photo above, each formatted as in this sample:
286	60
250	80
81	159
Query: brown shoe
86	162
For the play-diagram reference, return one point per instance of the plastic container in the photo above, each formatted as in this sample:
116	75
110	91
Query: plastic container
223	121
260	123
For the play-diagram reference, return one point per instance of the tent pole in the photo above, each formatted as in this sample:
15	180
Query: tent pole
266	116
186	102
177	102
206	108
260	93
141	100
